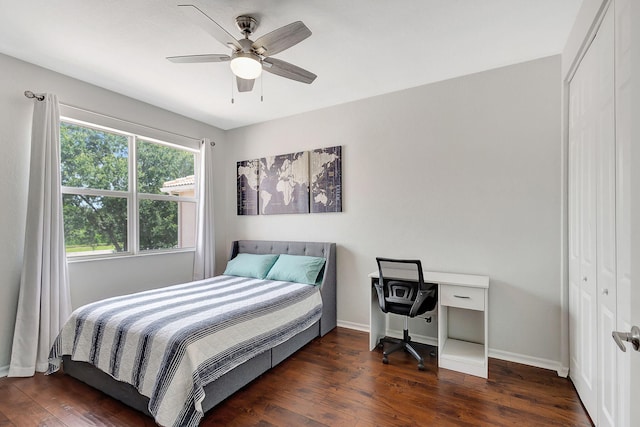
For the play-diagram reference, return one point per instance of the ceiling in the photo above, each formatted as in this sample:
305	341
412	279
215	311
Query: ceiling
359	48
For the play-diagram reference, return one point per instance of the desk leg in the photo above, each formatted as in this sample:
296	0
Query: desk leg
377	320
443	328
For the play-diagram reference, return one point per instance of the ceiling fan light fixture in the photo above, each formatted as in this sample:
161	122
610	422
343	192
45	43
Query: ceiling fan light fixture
248	58
246	65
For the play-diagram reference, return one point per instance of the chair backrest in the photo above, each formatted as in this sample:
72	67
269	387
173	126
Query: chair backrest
401	288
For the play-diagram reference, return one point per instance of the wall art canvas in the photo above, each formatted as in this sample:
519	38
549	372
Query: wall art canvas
248	173
284	184
326	179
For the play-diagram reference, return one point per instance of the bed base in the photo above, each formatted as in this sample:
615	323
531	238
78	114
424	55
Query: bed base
215	392
242	375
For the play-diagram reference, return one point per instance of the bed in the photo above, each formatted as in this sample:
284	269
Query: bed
212	379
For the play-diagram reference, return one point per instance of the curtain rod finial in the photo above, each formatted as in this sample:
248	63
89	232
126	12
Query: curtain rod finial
31	95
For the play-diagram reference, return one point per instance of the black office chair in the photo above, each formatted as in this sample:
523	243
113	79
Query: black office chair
401	290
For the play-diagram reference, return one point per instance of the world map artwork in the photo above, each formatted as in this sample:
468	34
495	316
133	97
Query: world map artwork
326	179
247	186
292	183
284	184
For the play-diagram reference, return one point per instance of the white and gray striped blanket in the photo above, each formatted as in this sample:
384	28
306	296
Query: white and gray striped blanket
171	342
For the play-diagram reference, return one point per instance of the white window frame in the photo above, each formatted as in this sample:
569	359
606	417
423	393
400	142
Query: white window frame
132	196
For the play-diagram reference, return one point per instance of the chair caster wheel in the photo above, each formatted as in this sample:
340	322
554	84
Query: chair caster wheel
385	360
421	367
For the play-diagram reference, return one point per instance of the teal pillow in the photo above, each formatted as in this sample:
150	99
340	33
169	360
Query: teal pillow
297	268
250	265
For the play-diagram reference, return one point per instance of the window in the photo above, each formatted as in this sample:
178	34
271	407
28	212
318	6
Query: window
124	193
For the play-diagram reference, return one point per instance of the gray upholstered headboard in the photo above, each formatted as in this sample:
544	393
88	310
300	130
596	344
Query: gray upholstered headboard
319	249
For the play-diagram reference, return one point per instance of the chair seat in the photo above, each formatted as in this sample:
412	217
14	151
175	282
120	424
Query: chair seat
403	306
402	310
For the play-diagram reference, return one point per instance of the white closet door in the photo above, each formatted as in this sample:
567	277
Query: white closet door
592	253
623	201
574	174
582	190
606	223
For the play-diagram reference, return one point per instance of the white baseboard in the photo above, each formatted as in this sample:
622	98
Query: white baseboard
563	371
4	371
355	326
537	362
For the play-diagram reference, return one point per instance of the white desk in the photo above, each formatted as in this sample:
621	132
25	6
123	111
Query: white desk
462	291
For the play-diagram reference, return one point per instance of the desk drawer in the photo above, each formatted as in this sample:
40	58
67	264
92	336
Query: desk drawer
462	297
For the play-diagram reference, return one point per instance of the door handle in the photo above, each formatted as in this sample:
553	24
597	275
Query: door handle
633	337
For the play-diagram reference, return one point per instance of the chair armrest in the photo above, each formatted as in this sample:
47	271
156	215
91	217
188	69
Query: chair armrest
420	298
380	292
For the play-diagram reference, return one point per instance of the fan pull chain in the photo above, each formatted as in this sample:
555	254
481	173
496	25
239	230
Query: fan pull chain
261	87
232	100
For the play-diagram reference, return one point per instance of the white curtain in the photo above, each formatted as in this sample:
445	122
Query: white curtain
204	262
44	303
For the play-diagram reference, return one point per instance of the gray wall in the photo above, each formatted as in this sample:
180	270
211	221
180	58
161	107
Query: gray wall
464	174
90	280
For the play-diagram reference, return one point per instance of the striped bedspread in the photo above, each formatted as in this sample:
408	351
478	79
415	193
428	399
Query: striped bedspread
171	342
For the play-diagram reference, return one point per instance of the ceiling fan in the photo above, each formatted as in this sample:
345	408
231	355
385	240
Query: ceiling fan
248	58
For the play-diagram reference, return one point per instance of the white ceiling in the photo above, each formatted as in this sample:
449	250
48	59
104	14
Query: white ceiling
359	48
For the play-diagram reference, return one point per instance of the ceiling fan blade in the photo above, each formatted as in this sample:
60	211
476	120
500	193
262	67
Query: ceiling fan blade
209	25
285	69
244	85
281	39
213	57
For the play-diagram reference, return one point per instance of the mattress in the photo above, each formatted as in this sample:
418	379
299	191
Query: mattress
171	342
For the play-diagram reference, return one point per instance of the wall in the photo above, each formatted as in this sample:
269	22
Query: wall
463	174
90	280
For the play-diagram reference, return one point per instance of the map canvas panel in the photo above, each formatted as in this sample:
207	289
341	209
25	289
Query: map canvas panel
284	184
326	179
248	173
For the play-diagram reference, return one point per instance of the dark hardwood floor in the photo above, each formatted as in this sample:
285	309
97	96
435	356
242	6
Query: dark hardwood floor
333	381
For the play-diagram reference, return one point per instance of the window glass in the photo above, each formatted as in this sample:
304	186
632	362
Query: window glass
162	166
94	225
166	224
92	158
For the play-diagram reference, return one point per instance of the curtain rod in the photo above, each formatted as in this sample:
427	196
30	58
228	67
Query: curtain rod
40	97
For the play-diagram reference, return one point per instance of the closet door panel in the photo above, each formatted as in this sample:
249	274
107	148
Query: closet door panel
582	273
599	178
606	222
592	131
623	198
574	244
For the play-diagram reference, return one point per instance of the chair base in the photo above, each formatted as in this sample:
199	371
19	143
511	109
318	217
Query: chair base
402	344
